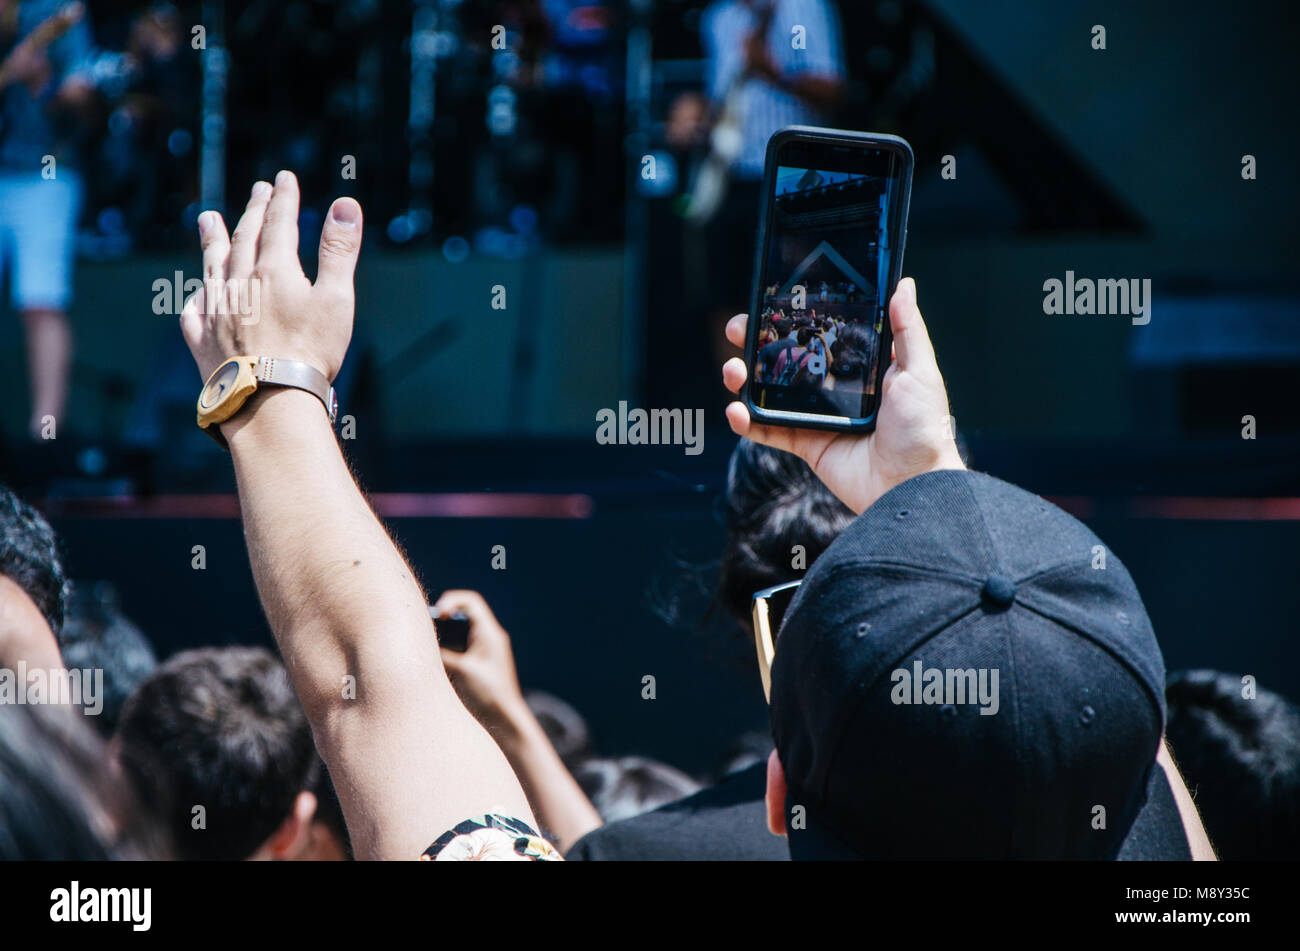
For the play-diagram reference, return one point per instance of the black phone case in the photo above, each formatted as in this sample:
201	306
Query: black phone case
452	632
835	137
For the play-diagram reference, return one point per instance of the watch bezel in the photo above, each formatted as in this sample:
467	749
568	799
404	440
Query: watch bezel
244	385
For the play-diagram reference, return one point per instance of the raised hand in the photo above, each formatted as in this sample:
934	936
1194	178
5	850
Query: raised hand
913	429
256	300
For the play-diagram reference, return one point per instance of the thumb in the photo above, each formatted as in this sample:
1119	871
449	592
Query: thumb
340	244
912	348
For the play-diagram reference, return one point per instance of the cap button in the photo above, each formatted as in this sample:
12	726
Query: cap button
1000	590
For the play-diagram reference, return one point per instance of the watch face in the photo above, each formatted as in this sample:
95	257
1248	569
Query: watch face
221	383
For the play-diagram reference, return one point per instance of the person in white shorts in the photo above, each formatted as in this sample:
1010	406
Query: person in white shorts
41	82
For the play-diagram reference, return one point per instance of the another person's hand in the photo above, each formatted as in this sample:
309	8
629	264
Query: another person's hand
267	306
485	680
913	431
27	64
758	59
484	674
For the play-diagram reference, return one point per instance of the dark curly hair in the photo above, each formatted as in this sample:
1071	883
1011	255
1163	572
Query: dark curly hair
219	727
29	557
60	798
1239	751
773	502
853	355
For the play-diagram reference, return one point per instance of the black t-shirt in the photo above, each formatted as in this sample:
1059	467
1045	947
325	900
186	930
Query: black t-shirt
725	822
729	822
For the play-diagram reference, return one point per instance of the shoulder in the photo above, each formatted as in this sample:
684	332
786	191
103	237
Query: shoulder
724	822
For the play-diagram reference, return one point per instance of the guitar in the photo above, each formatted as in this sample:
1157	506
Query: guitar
726	139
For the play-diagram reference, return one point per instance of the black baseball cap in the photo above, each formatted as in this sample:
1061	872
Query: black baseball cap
968	672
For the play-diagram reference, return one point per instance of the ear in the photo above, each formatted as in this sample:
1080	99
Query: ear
294	834
775	795
25	635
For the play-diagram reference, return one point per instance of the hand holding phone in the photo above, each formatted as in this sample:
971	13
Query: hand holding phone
913	434
452	630
483	671
829	254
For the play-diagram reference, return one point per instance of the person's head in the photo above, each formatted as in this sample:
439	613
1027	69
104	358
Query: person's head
779	518
563	725
804	336
33	587
1238	747
60	798
328	840
853	353
216	741
958	676
784	325
630	785
97	636
29	557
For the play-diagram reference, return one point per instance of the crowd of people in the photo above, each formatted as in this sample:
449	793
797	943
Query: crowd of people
68	103
816	351
950	675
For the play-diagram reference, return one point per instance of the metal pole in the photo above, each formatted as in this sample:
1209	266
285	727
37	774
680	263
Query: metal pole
636	219
419	123
212	131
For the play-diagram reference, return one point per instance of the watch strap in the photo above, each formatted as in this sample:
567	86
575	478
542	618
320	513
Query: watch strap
302	376
275	372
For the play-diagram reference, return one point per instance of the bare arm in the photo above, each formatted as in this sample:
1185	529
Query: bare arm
408	759
563	808
820	92
1197	839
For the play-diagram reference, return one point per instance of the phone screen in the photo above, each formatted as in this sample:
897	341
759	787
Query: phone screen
827	273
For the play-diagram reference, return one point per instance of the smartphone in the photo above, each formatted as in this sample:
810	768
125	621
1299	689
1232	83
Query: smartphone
452	631
830	252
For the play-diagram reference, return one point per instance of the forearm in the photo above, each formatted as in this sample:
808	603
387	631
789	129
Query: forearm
353	626
325	569
819	92
1197	839
562	807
